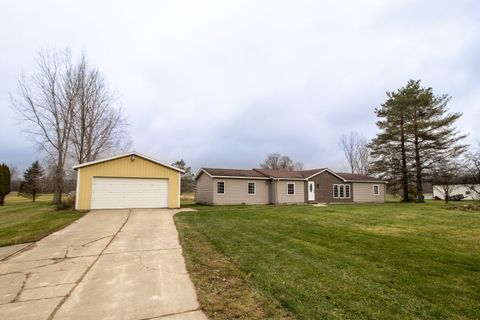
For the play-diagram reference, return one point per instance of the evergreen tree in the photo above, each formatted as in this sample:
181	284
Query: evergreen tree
417	132
4	182
431	129
389	148
187	177
32	180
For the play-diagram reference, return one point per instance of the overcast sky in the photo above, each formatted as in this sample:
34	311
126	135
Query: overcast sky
224	83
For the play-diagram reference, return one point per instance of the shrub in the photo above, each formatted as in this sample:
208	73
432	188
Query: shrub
67	203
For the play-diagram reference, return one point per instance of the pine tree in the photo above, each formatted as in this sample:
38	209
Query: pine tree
432	134
5	181
389	148
32	180
418	130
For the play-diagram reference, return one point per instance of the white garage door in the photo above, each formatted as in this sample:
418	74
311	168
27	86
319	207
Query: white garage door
112	193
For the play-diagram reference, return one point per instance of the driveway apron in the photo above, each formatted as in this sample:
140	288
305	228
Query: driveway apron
110	264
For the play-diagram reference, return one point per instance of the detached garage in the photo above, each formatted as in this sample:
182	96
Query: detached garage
130	180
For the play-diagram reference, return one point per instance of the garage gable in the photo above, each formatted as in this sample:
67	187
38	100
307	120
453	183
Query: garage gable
130	166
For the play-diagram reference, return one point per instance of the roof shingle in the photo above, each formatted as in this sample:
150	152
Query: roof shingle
234	173
357	177
282	174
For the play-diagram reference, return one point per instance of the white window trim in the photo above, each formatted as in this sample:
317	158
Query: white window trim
344	191
294	189
378	188
224	188
333	191
254	188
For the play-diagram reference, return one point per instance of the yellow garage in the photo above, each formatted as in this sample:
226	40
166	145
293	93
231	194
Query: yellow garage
129	180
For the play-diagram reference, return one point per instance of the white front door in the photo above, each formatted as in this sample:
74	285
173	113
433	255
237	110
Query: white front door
311	190
113	193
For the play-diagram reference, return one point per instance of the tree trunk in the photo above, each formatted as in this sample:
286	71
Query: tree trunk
406	197
33	194
418	165
418	173
58	185
2	199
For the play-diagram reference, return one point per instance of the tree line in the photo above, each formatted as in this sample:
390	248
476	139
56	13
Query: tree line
70	113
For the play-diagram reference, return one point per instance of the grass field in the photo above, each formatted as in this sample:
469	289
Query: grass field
21	220
385	261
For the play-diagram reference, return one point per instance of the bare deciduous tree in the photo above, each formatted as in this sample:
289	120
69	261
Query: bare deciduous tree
276	161
355	148
68	104
45	102
473	173
98	125
446	174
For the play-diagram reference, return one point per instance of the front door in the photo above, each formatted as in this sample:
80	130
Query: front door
311	190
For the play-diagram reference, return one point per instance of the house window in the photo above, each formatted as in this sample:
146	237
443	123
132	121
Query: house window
347	191
291	188
341	191
220	187
251	188
376	190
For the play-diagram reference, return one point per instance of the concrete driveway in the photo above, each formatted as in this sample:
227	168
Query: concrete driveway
110	264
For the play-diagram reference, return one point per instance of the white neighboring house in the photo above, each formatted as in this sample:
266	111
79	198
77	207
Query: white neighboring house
466	190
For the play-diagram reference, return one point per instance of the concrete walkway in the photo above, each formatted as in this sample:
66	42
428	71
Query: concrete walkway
110	264
8	251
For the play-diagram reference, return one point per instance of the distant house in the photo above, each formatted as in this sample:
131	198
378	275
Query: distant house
464	189
428	190
263	186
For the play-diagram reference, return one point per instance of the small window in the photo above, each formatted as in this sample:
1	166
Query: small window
341	187
220	187
347	191
251	188
376	190
291	188
335	191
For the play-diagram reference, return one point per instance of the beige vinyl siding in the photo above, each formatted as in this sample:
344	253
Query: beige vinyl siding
126	168
236	192
363	192
204	189
284	197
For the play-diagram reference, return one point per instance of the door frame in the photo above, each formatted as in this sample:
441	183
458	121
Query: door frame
311	194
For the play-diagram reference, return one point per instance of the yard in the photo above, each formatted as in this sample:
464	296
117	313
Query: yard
384	261
21	220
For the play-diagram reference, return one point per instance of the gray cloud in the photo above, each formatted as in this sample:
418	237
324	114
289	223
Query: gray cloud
224	83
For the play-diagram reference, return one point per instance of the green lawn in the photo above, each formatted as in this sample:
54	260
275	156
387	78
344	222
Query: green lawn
385	261
21	220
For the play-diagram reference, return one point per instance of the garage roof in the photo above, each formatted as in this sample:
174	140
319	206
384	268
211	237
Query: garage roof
129	154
